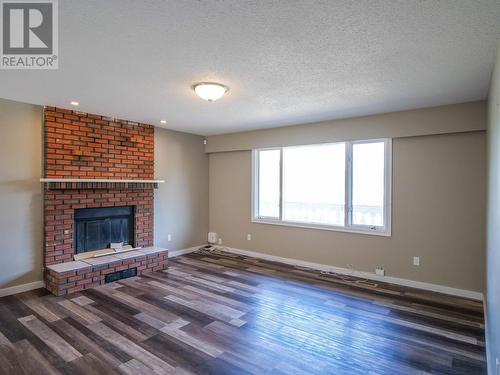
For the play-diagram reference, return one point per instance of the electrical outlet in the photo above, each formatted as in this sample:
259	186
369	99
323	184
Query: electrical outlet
416	261
169	237
220	241
249	237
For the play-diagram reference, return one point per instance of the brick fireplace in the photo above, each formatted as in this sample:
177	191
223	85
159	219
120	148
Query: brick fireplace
60	206
104	163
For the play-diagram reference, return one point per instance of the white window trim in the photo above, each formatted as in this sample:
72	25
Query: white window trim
385	231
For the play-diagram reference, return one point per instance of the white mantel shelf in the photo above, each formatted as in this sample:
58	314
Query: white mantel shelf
96	184
104	181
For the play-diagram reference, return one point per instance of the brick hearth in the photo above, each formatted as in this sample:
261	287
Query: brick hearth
86	146
71	277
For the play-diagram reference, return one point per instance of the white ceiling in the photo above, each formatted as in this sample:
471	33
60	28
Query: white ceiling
286	62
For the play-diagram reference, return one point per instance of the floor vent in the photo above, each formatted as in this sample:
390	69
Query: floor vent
125	274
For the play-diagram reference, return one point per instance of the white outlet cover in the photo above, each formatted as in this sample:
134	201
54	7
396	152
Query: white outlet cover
220	241
249	237
416	261
169	237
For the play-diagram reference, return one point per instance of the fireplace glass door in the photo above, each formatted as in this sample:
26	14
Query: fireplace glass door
97	228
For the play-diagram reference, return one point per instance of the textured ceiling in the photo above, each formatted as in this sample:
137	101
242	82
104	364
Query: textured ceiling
286	62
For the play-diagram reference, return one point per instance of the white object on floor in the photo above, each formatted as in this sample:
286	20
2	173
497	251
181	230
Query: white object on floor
380	271
212	237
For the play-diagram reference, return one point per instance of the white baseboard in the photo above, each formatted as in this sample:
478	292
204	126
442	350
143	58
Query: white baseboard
366	275
21	288
176	253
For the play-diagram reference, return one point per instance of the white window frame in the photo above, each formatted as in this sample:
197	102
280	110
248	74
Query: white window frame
349	226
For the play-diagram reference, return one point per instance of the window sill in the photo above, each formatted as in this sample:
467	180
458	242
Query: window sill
382	233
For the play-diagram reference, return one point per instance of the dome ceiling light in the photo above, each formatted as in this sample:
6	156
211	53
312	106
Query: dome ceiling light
210	91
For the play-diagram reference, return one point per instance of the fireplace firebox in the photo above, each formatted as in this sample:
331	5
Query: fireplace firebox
97	228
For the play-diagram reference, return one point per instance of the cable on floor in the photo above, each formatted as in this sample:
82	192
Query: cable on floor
348	278
212	250
207	250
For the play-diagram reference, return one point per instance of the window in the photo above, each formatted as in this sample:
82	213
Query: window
269	183
339	186
310	195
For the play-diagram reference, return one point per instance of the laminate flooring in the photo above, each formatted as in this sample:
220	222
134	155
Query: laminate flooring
227	314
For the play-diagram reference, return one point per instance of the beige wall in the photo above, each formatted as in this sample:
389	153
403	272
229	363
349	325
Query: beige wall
493	225
446	119
438	214
20	193
181	204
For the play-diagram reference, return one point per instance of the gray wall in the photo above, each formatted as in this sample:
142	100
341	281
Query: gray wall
493	225
181	204
439	185
20	193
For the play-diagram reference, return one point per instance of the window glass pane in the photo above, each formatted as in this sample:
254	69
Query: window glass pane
314	184
269	183
368	183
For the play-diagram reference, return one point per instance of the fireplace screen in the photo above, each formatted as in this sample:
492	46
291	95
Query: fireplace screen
97	228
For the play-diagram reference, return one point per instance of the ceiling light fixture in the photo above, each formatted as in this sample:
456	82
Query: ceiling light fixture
75	103
163	121
210	91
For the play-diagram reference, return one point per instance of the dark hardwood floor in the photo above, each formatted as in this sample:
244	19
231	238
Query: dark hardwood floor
223	314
